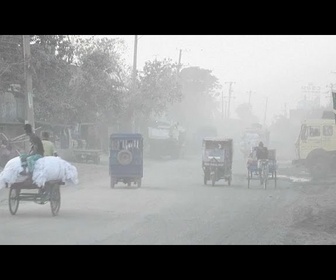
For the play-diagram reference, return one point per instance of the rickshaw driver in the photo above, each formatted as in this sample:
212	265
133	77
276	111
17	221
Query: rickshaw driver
261	154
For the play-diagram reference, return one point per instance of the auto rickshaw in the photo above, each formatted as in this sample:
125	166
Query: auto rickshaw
126	158
217	159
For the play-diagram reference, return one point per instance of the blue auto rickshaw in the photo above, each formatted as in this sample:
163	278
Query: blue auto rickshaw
126	158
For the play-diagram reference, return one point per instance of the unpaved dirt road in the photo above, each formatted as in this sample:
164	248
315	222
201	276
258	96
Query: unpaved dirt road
174	207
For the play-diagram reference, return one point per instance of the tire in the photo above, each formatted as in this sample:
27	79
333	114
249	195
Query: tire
124	157
139	183
13	200
205	180
112	182
55	199
265	177
213	179
97	160
229	181
318	163
248	179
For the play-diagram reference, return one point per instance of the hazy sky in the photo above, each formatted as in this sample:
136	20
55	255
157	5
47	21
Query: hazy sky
273	66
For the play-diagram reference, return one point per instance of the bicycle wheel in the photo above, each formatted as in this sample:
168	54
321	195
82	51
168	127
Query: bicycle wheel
55	199
13	200
265	176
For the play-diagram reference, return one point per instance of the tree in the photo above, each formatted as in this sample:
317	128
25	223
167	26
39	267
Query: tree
158	87
99	86
52	56
199	91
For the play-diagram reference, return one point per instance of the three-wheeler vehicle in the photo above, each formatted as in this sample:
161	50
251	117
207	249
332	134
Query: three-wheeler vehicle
126	159
217	159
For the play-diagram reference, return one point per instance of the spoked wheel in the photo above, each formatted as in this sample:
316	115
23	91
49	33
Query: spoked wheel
55	199
213	179
112	182
13	200
265	177
139	183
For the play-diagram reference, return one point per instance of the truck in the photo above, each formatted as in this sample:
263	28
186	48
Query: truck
316	147
251	137
164	139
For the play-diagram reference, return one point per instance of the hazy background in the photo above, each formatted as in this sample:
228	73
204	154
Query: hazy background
273	66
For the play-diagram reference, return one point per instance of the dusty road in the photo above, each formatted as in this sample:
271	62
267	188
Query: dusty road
174	207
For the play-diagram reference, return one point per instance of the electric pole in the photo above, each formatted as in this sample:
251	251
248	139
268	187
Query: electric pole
229	101
28	81
265	111
222	105
132	113
249	99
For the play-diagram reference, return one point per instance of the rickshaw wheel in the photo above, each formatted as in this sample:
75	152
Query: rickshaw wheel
139	183
55	199
205	180
229	181
112	182
13	200
213	179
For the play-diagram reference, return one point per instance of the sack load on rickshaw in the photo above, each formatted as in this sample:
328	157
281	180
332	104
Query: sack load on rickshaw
126	159
48	174
217	159
45	169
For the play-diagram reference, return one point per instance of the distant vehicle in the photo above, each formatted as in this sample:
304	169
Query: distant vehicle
217	159
126	159
164	139
252	136
316	147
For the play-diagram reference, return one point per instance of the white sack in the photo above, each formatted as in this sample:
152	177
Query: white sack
10	173
54	168
46	168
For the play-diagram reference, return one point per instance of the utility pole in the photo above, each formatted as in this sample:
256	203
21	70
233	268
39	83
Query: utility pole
132	113
179	61
28	81
249	99
222	105
229	102
265	111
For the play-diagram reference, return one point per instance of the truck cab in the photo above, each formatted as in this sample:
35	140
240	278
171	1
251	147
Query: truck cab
316	146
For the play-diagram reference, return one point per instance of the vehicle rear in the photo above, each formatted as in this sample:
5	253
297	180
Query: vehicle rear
126	158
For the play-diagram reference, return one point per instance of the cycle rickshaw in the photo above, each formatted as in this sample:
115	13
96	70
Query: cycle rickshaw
217	159
264	170
49	193
126	159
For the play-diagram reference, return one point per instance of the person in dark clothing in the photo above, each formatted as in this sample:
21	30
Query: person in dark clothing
261	151
261	154
36	151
